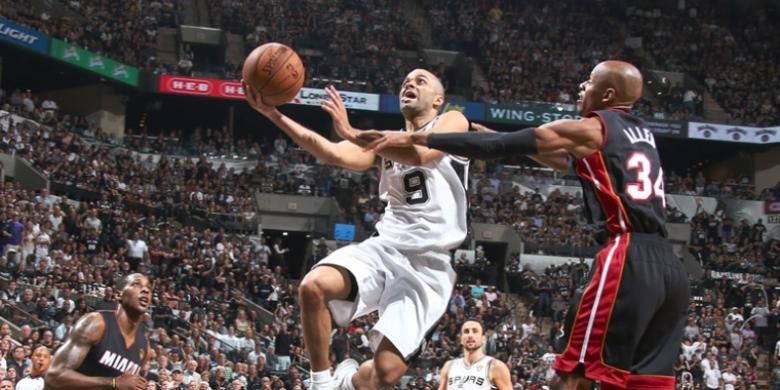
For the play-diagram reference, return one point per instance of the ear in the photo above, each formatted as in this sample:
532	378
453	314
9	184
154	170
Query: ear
609	95
438	102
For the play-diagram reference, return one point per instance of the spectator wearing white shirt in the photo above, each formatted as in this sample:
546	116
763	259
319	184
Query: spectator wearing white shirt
712	378
729	379
92	221
137	251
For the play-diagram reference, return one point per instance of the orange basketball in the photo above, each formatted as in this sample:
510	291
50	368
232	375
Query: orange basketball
275	71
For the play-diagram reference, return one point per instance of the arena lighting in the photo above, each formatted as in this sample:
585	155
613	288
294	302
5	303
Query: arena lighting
284	233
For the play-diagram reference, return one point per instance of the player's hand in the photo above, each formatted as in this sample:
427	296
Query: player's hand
396	140
480	128
255	100
130	382
334	106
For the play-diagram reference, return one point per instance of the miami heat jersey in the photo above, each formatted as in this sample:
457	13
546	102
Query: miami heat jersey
426	205
476	376
111	357
623	183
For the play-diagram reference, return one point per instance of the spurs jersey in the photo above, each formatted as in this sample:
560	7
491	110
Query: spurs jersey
476	376
426	205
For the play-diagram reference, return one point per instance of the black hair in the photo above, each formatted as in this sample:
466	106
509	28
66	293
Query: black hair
122	282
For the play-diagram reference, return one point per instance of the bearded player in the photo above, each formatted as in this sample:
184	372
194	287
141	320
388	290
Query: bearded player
475	370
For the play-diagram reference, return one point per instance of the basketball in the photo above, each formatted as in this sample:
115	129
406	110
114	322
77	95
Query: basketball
275	71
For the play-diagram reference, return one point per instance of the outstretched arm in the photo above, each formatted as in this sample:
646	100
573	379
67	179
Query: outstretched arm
579	137
557	160
452	121
343	154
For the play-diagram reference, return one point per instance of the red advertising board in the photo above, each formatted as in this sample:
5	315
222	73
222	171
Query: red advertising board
772	206
201	87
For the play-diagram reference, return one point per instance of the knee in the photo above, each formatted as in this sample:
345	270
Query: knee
311	290
388	373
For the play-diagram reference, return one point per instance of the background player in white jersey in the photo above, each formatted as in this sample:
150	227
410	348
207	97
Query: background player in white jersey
475	370
405	271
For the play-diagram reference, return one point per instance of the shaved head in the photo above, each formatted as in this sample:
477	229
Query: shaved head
623	77
612	84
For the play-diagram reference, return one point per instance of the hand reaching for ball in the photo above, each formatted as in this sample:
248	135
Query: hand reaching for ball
255	100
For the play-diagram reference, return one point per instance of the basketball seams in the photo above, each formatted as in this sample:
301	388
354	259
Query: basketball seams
293	84
276	71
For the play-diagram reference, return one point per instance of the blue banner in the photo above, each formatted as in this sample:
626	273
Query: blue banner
473	111
23	36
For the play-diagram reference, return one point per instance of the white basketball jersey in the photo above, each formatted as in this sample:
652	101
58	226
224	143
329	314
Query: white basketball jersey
461	375
426	205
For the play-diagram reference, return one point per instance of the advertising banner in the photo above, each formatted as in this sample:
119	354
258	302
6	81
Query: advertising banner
667	128
733	133
772	206
752	211
23	36
529	114
232	90
94	62
352	100
473	111
201	87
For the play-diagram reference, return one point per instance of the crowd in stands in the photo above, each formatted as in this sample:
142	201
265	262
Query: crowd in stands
560	44
125	31
351	44
369	45
712	43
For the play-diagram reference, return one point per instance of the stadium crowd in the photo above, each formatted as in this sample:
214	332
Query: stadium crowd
711	42
349	45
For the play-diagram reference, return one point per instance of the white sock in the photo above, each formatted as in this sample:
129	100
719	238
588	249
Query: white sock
321	380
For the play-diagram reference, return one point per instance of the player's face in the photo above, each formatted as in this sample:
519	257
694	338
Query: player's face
420	92
586	96
471	336
594	92
40	361
137	294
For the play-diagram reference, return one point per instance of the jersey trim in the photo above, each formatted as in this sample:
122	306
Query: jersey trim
591	321
604	131
594	170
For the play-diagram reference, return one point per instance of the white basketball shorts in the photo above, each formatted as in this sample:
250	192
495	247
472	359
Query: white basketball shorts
411	291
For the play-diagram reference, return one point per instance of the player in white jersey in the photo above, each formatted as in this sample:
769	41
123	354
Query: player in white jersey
404	272
475	370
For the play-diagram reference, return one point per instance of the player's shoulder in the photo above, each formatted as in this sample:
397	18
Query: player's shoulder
90	327
451	121
497	364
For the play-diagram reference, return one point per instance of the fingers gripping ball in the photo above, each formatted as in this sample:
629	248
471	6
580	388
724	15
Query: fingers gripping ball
275	71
